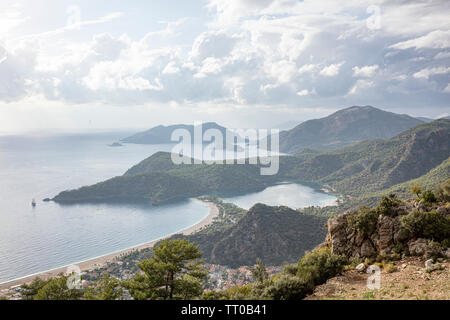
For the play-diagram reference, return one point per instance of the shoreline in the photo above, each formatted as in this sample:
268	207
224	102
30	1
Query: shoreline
97	262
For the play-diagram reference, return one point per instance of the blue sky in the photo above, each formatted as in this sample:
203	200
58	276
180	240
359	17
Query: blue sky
243	63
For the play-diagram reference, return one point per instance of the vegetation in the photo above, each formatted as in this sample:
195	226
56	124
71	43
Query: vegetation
51	289
257	234
107	288
430	225
365	222
320	265
359	170
229	215
174	272
345	127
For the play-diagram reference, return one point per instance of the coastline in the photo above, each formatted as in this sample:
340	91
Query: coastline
94	263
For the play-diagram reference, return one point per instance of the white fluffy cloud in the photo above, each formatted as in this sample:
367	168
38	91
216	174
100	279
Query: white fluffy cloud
264	52
332	70
366	71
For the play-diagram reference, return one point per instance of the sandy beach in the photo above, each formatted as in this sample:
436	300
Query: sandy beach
99	261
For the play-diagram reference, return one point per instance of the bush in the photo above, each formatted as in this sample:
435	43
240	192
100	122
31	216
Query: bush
320	265
239	293
365	221
388	205
434	250
288	287
429	198
429	225
290	269
443	191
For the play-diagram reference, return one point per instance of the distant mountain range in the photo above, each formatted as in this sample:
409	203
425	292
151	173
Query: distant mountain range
163	134
357	170
345	127
273	234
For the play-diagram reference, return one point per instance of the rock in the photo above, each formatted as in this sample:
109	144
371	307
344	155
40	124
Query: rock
417	247
404	265
367	250
361	267
429	264
385	232
447	253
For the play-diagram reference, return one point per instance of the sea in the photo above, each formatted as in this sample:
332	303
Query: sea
51	235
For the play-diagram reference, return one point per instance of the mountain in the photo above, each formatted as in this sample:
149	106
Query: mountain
162	134
424	119
345	127
273	234
356	170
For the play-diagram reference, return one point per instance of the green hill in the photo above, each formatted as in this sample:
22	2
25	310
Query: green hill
355	170
345	127
273	234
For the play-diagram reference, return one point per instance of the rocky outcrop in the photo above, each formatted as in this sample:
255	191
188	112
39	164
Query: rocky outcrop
388	237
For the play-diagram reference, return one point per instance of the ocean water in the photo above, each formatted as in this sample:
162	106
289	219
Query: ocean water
51	235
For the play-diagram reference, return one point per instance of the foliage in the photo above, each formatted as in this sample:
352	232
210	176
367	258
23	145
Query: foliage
272	234
388	205
107	288
174	272
416	189
443	191
430	225
259	272
429	198
288	287
356	170
365	221
434	250
30	290
320	265
56	289
229	215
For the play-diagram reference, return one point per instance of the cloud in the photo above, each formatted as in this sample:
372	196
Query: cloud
75	26
17	71
332	70
251	52
366	71
361	84
427	72
436	39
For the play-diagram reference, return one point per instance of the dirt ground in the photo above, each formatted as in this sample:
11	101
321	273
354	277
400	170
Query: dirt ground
407	280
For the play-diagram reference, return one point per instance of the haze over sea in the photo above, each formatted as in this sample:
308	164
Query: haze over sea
50	235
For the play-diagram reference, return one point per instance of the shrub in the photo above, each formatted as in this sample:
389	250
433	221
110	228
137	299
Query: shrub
288	287
290	269
429	198
443	191
320	265
390	268
434	250
388	205
365	221
214	295
430	225
239	293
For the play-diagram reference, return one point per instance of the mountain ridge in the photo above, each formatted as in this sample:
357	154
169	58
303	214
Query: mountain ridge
345	127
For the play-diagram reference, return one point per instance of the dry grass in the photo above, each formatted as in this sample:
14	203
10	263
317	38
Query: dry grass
397	283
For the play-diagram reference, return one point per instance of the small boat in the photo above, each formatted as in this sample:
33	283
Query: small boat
33	203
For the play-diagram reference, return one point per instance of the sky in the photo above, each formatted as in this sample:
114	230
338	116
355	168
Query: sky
104	64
